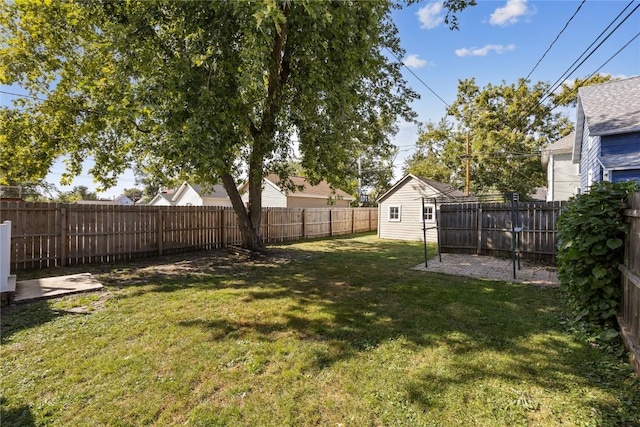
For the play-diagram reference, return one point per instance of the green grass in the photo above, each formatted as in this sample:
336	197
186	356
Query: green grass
331	332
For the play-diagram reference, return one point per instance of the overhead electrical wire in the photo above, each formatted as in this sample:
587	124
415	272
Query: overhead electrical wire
554	41
21	95
614	55
419	79
573	67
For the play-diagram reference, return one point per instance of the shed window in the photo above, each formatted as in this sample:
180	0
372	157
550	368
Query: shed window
394	213
429	213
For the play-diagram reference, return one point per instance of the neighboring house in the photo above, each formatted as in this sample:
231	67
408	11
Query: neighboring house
607	142
196	195
400	214
121	200
162	199
275	195
563	176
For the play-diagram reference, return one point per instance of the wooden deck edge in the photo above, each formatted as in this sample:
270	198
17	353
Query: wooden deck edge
631	346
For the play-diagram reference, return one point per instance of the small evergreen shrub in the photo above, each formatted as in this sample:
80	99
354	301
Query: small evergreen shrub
591	232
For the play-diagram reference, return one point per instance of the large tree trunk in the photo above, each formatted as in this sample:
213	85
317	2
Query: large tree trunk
249	219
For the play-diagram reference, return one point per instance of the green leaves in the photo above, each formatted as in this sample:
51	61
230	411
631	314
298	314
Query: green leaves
507	127
614	243
215	90
590	248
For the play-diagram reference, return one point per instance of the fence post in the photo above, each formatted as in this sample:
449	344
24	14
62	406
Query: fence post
304	224
160	225
479	230
223	228
353	221
64	245
330	223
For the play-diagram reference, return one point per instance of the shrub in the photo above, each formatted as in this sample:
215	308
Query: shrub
591	231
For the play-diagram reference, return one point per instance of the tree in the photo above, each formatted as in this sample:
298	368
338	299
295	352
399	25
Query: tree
373	171
568	95
212	89
507	127
77	193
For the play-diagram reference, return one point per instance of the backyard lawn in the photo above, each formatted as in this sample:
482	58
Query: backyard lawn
337	332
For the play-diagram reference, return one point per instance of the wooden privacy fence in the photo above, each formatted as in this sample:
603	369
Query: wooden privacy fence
49	234
629	315
485	228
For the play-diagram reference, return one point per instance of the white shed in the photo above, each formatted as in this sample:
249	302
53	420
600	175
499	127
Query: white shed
399	209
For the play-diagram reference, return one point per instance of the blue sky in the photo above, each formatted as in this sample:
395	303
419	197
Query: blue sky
497	41
502	41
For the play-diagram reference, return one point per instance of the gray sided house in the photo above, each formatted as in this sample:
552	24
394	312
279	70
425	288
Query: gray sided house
563	176
400	214
607	142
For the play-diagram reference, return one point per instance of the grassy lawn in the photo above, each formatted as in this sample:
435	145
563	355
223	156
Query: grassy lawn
332	332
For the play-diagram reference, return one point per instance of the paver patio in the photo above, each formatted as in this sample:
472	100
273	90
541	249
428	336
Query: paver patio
487	267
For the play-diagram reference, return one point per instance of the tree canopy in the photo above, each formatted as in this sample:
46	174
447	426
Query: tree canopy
507	127
216	90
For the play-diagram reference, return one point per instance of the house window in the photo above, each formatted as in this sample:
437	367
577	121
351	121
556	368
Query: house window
394	213
429	213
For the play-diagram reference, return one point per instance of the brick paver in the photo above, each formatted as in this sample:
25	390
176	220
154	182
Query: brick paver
486	267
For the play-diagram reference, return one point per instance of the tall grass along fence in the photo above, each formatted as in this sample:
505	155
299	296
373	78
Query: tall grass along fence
486	229
629	316
49	234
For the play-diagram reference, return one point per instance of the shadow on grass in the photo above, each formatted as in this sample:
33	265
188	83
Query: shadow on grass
19	416
354	295
28	315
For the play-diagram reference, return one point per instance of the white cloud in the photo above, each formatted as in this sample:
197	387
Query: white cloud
510	13
413	61
484	51
431	15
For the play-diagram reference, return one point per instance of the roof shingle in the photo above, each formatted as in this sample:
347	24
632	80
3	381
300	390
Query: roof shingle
612	107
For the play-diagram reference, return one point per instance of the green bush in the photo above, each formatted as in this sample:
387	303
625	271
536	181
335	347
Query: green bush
591	231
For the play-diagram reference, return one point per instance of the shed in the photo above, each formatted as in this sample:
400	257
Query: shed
399	209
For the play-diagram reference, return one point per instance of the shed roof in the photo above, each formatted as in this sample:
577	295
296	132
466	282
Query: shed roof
448	192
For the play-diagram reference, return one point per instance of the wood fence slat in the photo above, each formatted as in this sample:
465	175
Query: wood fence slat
486	228
49	234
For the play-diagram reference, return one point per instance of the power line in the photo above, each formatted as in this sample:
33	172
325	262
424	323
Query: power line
21	95
614	55
554	41
571	68
419	79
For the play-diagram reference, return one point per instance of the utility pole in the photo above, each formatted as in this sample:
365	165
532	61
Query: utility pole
468	156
